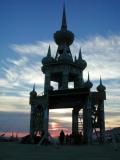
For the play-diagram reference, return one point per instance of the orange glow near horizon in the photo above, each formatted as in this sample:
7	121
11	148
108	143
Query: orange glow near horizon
54	131
14	134
55	127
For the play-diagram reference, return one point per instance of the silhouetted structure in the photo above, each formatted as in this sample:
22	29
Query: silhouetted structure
63	69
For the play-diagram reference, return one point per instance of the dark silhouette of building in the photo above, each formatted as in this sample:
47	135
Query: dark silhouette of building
63	69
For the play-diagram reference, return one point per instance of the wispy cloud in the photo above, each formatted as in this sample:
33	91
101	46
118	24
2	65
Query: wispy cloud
98	51
38	48
19	62
19	74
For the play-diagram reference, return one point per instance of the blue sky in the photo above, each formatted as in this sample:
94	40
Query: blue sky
26	30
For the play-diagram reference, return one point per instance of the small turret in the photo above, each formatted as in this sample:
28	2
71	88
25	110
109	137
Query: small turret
33	93
101	87
80	54
48	59
81	62
88	84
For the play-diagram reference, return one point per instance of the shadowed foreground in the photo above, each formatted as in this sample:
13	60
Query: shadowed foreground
13	151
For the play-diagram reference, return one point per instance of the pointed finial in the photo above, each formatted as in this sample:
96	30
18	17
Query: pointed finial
49	52
100	81
101	87
33	93
34	87
88	77
64	22
88	84
80	54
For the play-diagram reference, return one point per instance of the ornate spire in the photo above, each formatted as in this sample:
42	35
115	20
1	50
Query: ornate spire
48	59
100	81
34	87
80	54
64	22
81	62
101	87
49	52
88	77
63	36
88	84
33	93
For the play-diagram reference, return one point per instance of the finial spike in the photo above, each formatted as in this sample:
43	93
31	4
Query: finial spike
100	81
88	77
49	51
101	87
80	54
64	22
34	87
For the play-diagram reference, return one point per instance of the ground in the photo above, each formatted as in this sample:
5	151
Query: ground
16	151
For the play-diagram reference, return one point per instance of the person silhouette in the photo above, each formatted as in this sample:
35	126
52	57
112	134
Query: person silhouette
62	137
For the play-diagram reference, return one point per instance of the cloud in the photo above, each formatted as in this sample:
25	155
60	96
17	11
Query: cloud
14	121
14	103
38	48
19	74
98	51
113	113
19	121
102	55
19	62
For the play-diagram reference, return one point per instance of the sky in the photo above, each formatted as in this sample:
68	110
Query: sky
26	30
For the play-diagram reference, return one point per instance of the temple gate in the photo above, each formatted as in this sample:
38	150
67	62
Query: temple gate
63	69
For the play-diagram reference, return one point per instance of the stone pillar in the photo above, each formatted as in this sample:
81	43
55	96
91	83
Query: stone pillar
46	118
75	121
45	122
32	122
41	120
47	82
87	121
101	121
65	80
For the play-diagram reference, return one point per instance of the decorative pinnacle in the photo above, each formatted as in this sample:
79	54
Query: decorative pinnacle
34	87
88	84
64	22
80	54
49	52
101	87
100	81
88	77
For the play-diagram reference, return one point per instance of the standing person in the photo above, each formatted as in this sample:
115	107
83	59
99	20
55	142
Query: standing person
67	139
71	138
62	137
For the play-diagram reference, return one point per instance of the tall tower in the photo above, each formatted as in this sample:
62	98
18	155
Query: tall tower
62	69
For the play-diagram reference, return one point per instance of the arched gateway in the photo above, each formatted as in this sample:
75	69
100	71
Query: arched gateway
63	69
